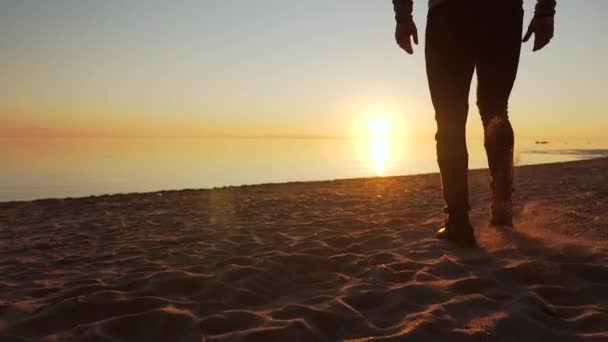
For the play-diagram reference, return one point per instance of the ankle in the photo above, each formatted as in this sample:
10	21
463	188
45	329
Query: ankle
459	218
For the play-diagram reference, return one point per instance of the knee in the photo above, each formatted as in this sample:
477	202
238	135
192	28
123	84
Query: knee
450	133
499	134
451	142
490	112
447	136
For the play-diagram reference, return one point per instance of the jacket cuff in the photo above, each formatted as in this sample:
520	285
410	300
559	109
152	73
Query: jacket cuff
403	10
545	8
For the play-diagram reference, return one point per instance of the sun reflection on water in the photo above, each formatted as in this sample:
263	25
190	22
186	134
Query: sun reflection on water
380	151
378	144
379	130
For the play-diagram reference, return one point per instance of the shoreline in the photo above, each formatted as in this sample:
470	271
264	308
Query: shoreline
312	182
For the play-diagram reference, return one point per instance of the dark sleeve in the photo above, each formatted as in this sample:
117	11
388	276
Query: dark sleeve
403	10
545	8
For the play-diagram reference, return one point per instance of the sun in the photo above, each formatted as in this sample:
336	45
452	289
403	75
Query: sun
379	127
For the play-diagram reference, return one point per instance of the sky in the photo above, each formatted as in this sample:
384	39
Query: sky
265	68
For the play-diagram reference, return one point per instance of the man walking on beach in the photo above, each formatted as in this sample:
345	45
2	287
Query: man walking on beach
463	36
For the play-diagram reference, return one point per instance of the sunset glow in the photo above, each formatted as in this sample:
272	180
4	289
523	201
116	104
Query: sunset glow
178	72
379	128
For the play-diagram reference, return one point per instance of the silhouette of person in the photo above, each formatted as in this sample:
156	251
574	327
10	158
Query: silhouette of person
463	36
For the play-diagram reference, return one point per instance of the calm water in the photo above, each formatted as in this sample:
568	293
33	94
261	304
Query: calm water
79	167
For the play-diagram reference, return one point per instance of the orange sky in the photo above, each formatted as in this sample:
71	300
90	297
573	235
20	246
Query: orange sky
244	68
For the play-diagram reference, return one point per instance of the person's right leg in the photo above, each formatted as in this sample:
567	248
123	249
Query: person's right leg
450	65
498	47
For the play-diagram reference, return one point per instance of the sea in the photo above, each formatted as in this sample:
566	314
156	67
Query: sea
36	168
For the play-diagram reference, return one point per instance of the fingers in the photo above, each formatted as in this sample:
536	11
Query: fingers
541	41
543	29
543	34
406	45
404	34
529	32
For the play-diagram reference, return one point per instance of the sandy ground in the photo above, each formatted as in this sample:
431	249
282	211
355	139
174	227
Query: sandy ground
326	261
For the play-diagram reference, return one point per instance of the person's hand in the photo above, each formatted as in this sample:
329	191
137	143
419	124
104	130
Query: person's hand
542	28
405	32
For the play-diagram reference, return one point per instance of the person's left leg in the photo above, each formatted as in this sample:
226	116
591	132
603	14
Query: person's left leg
498	52
450	64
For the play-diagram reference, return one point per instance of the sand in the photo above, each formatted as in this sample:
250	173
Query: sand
325	261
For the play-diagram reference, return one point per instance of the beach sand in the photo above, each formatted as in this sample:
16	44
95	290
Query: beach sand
321	261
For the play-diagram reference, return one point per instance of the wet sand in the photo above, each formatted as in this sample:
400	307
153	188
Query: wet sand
321	261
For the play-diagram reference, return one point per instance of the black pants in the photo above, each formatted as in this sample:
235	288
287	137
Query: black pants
463	36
